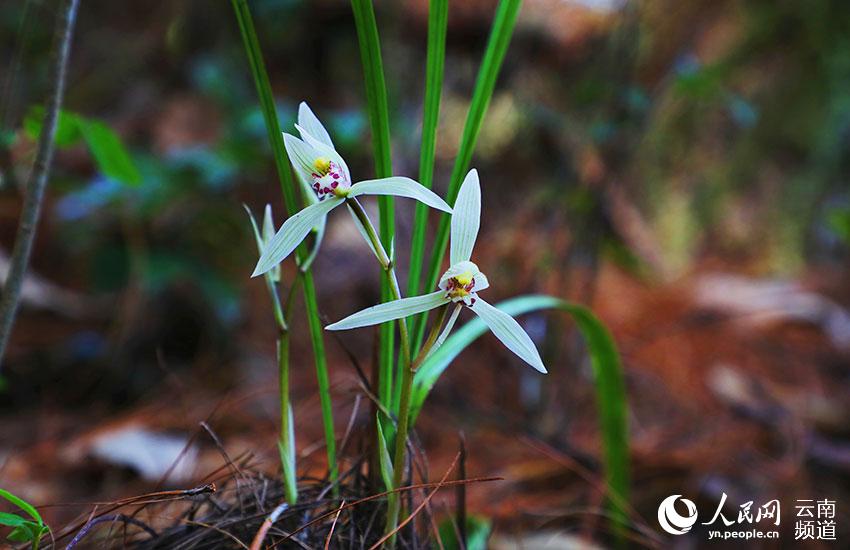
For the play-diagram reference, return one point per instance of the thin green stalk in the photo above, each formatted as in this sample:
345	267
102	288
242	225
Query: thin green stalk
497	45
287	430
438	16
379	121
407	370
261	80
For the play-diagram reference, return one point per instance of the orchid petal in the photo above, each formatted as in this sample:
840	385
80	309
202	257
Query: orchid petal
292	232
310	123
400	186
268	224
466	218
302	156
258	237
509	332
268	233
390	311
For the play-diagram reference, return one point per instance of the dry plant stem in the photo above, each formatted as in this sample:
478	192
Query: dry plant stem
38	177
270	520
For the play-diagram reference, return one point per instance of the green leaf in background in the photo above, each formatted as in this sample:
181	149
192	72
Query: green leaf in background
67	126
109	153
608	378
838	220
107	149
477	532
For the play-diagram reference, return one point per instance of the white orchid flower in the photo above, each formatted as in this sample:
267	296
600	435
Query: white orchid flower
327	182
460	285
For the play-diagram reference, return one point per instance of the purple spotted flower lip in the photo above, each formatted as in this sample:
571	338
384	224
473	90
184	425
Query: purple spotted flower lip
462	282
329	178
459	285
326	184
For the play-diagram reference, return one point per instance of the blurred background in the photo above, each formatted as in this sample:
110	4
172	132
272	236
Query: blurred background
680	167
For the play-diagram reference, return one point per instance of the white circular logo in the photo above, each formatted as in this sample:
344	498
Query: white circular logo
670	519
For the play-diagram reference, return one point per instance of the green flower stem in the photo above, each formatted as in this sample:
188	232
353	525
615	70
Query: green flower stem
399	460
379	122
287	185
432	337
406	382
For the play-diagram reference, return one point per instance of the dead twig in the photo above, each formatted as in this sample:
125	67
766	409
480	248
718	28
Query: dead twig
37	180
267	524
333	526
103	519
383	495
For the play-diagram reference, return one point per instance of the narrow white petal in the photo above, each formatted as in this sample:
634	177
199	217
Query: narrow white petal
302	156
268	234
390	311
446	331
309	122
291	233
268	224
400	186
509	332
256	229
466	218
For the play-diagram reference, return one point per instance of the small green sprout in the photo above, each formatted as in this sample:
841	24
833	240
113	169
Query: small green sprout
23	529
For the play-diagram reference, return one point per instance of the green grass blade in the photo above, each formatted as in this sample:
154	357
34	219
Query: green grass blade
287	185
497	46
379	121
438	18
267	103
607	371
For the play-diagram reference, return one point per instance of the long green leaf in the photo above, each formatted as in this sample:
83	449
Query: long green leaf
109	153
608	377
287	185
379	121
497	46
438	18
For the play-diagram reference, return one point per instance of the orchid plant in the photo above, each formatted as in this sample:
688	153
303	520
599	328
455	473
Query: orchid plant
326	183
